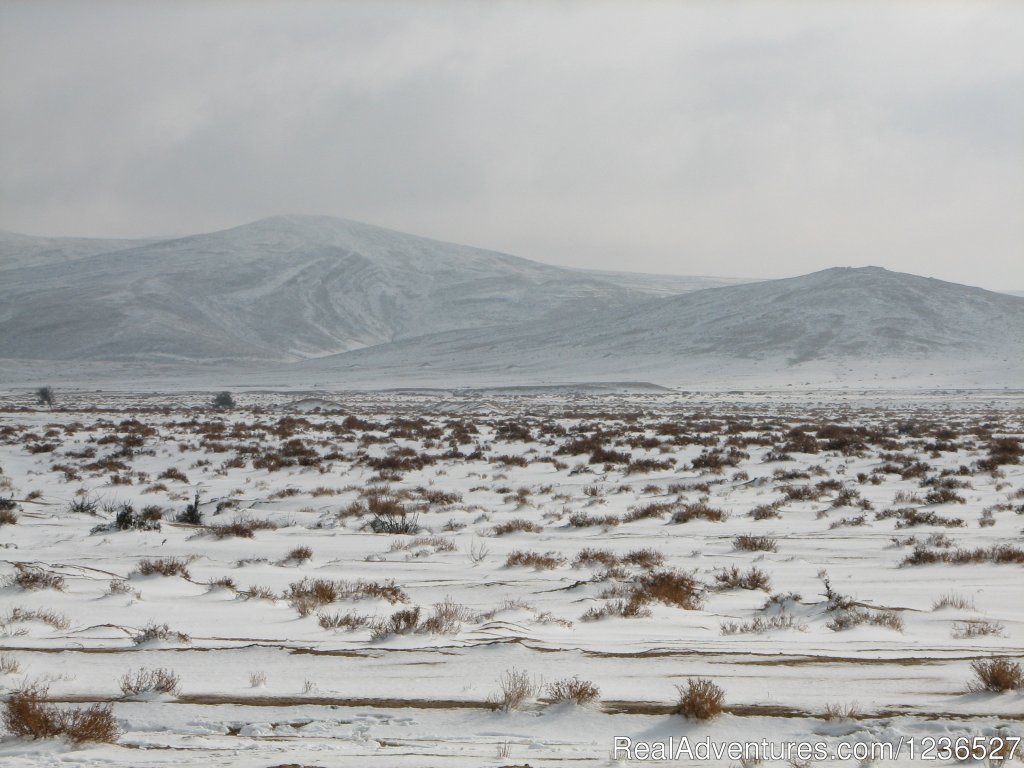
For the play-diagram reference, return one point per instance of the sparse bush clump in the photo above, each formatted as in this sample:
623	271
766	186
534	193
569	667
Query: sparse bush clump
165	566
241	527
700	699
516	526
733	578
516	688
160	633
953	600
996	676
309	594
536	560
145	680
749	543
399	623
36	578
699	510
299	555
573	689
28	714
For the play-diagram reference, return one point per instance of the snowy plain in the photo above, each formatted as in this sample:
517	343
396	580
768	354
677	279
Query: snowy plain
838	489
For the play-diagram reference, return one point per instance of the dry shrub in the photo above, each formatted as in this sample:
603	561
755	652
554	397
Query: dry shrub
309	594
654	510
173	473
259	592
299	555
521	558
671	588
160	680
242	527
733	578
44	615
583	520
700	699
999	554
515	689
766	511
446	619
165	566
517	525
761	624
573	689
437	543
840	712
36	578
399	623
28	714
644	558
854	617
699	510
7	517
996	676
154	632
347	621
588	556
750	543
966	630
953	600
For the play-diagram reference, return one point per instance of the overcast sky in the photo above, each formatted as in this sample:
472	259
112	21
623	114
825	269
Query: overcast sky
760	139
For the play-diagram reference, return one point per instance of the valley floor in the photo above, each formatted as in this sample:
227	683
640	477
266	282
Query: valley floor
353	588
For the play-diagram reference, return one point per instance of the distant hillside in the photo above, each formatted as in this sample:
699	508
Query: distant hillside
834	322
281	289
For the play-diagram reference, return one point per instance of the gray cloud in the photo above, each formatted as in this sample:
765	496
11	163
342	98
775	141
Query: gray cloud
752	139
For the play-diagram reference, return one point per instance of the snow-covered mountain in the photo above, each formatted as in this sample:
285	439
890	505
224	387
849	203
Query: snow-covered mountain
281	289
862	324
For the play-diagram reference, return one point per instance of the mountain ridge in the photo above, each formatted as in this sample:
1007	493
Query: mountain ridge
287	288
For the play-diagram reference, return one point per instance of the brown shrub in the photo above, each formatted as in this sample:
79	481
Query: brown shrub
700	699
515	688
145	680
653	510
173	473
154	632
349	621
573	689
996	676
36	578
520	558
583	520
750	543
671	588
733	578
27	713
165	566
643	558
242	527
699	510
299	555
588	556
517	525
309	594
399	623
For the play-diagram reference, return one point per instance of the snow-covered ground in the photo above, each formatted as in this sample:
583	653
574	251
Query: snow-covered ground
589	478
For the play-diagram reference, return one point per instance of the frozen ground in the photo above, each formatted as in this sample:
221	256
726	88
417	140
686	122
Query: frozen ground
846	488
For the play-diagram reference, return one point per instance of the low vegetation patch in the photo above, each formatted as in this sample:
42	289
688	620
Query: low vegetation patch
700	699
28	714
